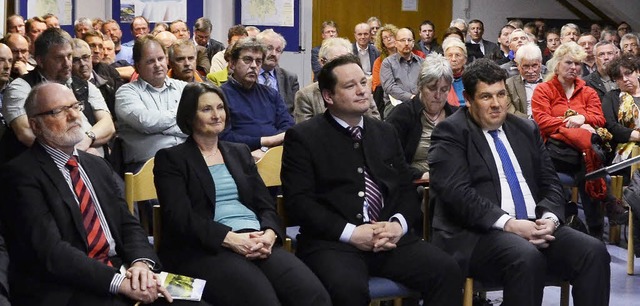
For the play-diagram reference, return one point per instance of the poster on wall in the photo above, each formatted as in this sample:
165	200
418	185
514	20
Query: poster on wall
153	10
60	8
276	13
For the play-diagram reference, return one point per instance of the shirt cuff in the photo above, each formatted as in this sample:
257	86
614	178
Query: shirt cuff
403	222
150	263
550	215
116	282
501	222
347	232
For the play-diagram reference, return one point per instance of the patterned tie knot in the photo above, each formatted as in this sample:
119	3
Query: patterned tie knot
356	132
72	163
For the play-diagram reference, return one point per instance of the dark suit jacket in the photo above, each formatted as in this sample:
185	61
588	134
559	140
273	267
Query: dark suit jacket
187	196
491	50
323	183
287	87
406	118
610	107
373	53
594	80
464	183
46	237
213	47
315	62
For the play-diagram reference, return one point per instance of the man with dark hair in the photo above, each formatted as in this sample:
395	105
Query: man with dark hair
51	20
489	49
139	26
34	27
587	41
503	43
146	108
328	29
53	55
498	202
258	113
428	42
346	182
111	28
202	36
218	62
71	206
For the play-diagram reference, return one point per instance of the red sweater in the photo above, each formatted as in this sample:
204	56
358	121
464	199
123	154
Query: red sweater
549	103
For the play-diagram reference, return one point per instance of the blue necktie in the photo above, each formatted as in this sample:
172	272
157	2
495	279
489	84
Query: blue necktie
371	189
512	179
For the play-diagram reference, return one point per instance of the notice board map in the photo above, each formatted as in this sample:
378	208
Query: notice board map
278	13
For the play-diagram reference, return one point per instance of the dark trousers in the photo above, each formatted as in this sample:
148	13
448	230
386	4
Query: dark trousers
418	265
510	260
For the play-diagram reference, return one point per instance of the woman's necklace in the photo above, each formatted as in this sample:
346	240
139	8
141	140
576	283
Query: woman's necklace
215	151
432	119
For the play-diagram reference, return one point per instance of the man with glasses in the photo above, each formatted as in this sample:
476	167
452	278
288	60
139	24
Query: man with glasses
587	41
629	44
258	113
69	203
374	25
146	108
599	80
329	29
271	74
399	72
54	58
520	87
20	49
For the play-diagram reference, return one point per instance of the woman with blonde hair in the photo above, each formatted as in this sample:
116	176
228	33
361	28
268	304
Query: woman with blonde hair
386	43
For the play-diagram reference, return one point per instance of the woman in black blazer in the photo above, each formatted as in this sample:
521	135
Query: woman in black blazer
219	222
415	120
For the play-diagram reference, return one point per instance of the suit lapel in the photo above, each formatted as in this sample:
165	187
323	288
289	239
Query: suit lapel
522	152
281	81
57	180
196	162
522	93
480	142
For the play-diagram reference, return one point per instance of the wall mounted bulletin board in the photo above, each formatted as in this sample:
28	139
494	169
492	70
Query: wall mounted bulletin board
64	9
283	16
124	10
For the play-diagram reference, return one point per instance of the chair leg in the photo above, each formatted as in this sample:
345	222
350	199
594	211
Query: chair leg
564	294
397	302
468	292
630	255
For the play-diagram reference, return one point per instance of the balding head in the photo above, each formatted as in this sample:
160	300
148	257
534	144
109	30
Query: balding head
6	61
166	38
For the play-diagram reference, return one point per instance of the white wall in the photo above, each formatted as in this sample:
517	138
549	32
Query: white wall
494	13
93	9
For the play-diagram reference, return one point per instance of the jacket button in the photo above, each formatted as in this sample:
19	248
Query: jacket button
360	170
356	145
361	194
359	216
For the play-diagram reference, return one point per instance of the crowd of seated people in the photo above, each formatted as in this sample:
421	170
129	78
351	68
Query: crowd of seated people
386	108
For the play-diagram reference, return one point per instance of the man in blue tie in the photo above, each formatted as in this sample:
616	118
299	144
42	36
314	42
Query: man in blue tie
346	182
498	203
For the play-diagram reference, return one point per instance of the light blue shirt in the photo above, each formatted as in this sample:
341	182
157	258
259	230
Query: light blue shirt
147	118
126	53
229	210
272	77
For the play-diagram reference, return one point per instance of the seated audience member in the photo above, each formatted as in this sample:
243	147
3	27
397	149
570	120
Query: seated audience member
361	220
596	30
399	72
587	41
181	31
414	121
386	43
624	28
503	42
568	111
139	27
146	108
166	39
455	51
620	106
110	74
453	31
499	208
6	59
308	100
629	43
182	61
569	32
366	51
329	29
219	220
374	25
220	77
428	43
599	80
97	24
81	26
488	49
70	204
520	87
553	41
611	36
252	31
34	27
111	28
202	36
218	62
51	20
517	39
54	57
15	24
258	114
460	24
159	27
20	49
271	74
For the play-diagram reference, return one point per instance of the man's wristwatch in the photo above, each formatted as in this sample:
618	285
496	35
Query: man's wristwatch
555	221
91	135
264	149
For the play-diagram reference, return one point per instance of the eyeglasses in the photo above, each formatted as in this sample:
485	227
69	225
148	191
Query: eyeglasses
406	40
388	38
85	58
56	112
603	54
248	60
375	28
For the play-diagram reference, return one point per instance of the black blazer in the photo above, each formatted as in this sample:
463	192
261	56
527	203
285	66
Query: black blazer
464	183
373	53
187	196
594	80
406	119
610	107
323	183
45	234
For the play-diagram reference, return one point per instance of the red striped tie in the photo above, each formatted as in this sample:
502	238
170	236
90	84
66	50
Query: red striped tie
371	189
96	240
